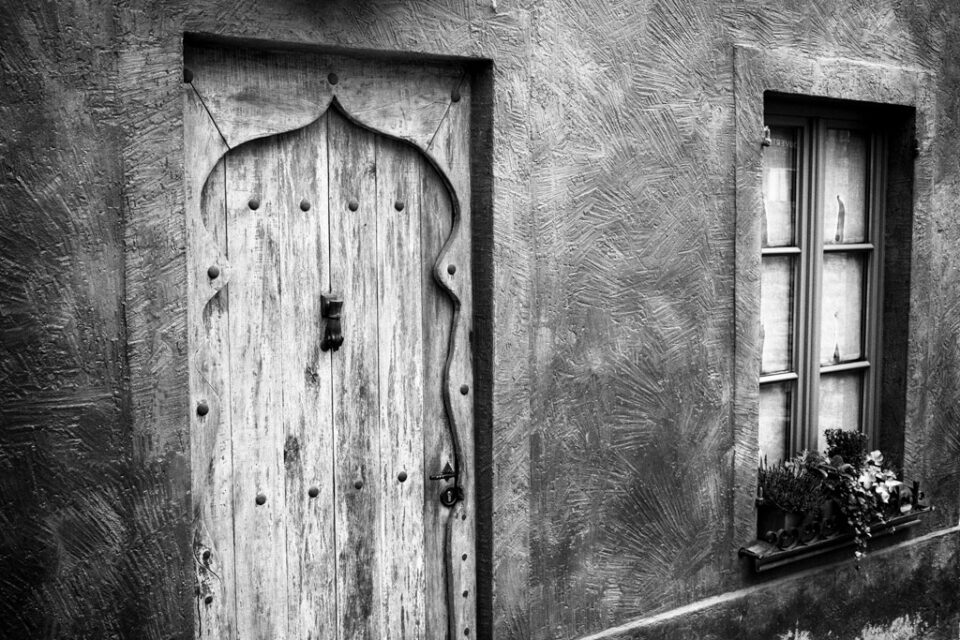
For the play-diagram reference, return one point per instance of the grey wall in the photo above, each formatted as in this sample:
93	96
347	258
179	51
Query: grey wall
611	462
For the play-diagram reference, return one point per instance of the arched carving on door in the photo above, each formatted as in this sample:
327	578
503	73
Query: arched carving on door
444	267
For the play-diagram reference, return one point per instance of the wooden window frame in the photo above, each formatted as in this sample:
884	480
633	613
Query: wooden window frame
812	121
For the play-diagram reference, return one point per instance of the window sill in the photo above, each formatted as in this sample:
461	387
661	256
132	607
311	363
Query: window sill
765	556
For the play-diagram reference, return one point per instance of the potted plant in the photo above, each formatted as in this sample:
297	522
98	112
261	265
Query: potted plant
789	501
813	495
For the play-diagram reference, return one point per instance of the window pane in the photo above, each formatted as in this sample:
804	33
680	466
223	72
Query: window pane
845	187
774	429
839	403
779	187
776	314
841	315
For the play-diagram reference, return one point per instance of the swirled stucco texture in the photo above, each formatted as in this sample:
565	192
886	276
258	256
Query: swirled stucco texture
606	311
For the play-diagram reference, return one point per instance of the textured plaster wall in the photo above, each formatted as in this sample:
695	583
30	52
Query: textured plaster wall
834	601
612	448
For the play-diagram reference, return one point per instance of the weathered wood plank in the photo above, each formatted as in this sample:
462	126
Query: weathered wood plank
254	208
353	272
436	217
406	101
257	93
211	457
400	348
453	269
308	451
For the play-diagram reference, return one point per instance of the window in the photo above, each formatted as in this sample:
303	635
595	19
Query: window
821	268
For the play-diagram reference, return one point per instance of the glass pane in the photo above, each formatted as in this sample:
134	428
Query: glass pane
780	187
845	187
774	428
841	316
839	403
776	314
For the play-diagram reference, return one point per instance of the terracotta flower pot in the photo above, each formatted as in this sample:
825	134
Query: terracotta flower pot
831	519
810	527
779	527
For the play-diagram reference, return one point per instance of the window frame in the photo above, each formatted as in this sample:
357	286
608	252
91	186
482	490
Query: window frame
812	119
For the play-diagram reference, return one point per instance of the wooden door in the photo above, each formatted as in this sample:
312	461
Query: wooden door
317	516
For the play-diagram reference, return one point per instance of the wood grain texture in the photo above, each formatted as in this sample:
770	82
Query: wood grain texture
356	402
211	442
453	271
257	350
308	451
436	221
400	368
253	94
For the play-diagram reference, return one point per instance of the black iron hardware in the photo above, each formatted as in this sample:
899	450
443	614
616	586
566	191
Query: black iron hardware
446	474
451	495
330	307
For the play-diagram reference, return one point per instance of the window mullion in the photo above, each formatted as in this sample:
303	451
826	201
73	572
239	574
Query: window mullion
802	303
874	309
813	237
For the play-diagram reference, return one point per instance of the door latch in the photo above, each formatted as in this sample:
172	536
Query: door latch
451	495
331	304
